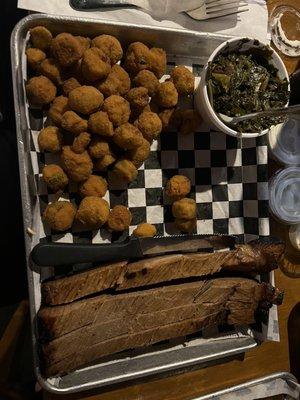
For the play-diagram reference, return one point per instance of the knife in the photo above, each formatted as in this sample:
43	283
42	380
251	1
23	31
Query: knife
56	254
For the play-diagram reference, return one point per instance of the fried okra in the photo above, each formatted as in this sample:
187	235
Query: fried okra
81	142
127	136
95	64
99	148
138	98
166	95
69	85
110	46
101	164
178	187
117	108
59	215
125	170
55	177
40	37
158	62
144	230
99	124
183	79
77	166
66	49
148	80
94	186
137	58
57	109
92	212
149	124
73	123
35	57
184	208
85	99
40	90
117	82
119	218
51	69
50	139
140	154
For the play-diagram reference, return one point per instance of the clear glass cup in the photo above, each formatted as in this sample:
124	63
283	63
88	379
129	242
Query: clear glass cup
284	24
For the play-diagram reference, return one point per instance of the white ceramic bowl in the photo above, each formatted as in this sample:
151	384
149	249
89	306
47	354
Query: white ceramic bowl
202	103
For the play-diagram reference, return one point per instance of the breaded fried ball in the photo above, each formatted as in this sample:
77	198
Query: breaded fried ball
183	79
99	124
138	98
186	225
66	49
168	119
110	46
35	57
81	142
150	125
184	208
55	177
85	99
144	230
119	218
40	37
60	215
92	212
101	164
189	120
99	148
77	166
117	82
127	136
158	61
73	123
178	187
95	64
117	108
166	95
50	139
85	42
148	80
69	85
137	58
57	109
40	90
125	170
140	154
94	186
50	68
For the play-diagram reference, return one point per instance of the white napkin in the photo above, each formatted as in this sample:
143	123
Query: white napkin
252	23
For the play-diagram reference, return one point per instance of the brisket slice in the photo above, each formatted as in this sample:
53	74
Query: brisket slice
90	329
256	257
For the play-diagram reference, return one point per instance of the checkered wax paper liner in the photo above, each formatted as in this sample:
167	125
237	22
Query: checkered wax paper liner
229	183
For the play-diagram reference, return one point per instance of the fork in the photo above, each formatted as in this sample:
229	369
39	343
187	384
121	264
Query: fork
218	8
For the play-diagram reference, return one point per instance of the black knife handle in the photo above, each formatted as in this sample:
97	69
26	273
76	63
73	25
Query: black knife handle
94	4
55	254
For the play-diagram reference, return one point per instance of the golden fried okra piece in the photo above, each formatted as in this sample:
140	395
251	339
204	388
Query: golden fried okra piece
95	64
137	58
73	123
158	61
77	166
85	99
144	230
40	90
40	37
148	80
101	164
183	79
178	187
66	49
149	124
119	218
117	82
50	139
117	108
55	177
127	136
110	46
51	69
184	208
94	186
166	95
99	148
57	109
35	57
125	170
138	98
99	124
59	215
81	142
140	154
92	212
69	85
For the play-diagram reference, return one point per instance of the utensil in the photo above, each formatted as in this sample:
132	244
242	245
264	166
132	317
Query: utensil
55	254
218	8
274	112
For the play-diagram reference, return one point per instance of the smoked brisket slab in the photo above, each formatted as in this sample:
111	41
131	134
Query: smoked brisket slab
256	257
78	333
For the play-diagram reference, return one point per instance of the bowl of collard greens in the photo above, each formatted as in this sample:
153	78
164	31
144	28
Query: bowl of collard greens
242	76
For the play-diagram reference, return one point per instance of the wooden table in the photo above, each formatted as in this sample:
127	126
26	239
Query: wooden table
263	360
